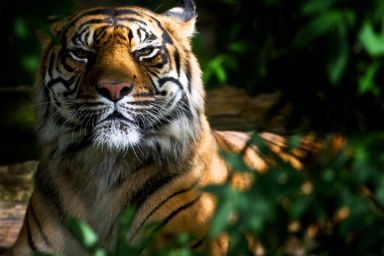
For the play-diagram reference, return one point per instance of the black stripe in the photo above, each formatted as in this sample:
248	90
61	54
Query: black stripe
56	101
164	59
72	91
198	243
177	211
139	32
48	191
143	94
149	187
163	80
130	35
162	203
86	36
170	217
43	235
108	20
99	33
176	55
165	36
152	81
153	73
50	64
66	83
99	11
88	104
141	102
176	113
63	57
48	105
188	73
31	243
132	20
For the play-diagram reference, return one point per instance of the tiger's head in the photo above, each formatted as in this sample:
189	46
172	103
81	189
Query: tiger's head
120	78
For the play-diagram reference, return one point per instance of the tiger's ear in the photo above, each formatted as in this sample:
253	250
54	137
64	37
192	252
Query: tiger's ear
184	14
57	27
45	37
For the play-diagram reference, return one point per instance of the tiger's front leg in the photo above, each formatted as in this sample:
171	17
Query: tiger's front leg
44	231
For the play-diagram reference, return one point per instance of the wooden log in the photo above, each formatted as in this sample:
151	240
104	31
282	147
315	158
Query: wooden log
230	108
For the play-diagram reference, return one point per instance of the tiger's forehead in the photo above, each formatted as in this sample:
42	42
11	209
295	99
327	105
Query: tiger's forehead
121	23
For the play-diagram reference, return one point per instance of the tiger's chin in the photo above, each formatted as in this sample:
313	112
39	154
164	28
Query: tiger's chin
116	136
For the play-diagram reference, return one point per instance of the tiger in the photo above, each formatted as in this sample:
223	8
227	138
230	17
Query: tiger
121	122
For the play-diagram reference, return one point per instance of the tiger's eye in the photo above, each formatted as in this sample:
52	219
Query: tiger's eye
80	54
144	52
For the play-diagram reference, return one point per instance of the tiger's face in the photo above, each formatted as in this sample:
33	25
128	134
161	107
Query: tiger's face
119	78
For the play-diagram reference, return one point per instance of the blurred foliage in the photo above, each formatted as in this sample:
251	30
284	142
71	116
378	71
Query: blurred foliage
334	206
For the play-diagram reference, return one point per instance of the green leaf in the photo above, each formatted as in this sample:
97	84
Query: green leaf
338	58
226	206
239	47
100	252
83	232
324	23
221	74
318	27
315	6
235	161
367	82
372	42
380	192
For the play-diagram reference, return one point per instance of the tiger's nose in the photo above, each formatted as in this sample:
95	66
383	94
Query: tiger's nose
114	91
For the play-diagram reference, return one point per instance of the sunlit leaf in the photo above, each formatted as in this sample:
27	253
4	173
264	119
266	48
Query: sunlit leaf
239	47
228	199
367	82
100	252
372	42
83	232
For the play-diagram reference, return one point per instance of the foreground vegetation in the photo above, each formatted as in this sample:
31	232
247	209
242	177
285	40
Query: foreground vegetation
334	206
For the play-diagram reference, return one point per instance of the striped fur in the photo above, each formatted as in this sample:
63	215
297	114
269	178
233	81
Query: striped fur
152	149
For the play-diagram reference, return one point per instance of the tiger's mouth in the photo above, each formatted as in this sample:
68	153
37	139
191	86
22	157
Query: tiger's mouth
116	131
116	116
